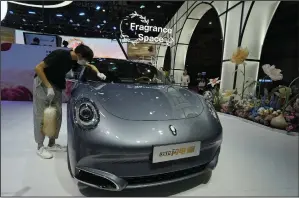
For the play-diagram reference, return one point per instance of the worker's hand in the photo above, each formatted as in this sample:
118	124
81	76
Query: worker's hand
50	93
101	76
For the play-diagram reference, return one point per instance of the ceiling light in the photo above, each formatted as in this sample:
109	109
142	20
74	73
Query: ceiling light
24	20
98	7
3	9
158	6
152	19
31	12
10	12
114	28
62	4
104	10
98	26
59	15
104	21
78	24
210	23
142	6
71	20
87	20
81	13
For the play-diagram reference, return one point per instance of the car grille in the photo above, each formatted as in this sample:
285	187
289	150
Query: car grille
164	177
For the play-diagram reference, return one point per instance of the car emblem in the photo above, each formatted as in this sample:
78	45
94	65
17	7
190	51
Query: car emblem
173	130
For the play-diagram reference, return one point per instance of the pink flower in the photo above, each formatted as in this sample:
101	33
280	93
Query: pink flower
214	81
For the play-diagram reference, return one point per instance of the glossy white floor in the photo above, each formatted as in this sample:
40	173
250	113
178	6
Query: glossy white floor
254	161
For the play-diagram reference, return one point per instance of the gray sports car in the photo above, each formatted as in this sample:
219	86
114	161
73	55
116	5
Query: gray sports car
135	129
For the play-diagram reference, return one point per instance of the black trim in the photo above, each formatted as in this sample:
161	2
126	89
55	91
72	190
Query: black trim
175	40
182	44
160	56
122	48
239	42
251	60
193	19
241	22
224	36
211	2
182	15
178	69
178	30
246	20
229	9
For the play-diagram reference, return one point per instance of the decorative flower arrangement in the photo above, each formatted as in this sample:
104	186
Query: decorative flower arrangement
214	81
278	108
272	73
216	96
239	58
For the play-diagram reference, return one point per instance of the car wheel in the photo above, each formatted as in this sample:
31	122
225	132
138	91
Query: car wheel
68	162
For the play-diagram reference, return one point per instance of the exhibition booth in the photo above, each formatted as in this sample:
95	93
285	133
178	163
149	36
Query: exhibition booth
195	101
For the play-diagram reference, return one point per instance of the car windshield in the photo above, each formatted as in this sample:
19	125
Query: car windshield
123	71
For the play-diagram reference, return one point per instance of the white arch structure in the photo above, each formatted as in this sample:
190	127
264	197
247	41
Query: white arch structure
244	23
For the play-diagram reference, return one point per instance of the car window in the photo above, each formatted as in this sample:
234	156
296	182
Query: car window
123	71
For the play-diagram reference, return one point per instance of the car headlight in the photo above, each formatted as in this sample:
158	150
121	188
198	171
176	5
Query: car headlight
212	110
86	114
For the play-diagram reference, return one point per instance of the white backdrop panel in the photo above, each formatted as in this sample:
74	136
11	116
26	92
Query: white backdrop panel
199	11
227	76
187	31
172	50
181	21
232	32
222	21
181	56
192	4
232	3
182	10
220	6
160	62
161	56
177	36
257	26
245	12
177	76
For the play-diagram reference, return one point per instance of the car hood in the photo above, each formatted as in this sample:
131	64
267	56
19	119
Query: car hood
148	102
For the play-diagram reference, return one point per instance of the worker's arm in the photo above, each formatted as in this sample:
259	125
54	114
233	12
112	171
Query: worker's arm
39	69
94	68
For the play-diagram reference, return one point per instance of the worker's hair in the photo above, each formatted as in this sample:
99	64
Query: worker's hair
84	51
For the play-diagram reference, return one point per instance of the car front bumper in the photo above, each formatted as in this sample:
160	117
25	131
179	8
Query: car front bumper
118	172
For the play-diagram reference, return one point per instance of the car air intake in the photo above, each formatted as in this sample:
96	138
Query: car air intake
96	181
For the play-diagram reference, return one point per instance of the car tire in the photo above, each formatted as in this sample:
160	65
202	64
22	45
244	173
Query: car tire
68	163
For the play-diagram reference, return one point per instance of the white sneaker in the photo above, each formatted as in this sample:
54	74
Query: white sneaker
43	153
57	148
